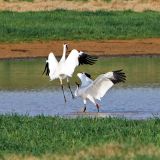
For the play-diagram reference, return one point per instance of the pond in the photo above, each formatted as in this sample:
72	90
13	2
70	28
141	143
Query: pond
24	90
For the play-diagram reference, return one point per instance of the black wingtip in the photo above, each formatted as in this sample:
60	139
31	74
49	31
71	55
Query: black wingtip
87	59
119	76
46	69
88	75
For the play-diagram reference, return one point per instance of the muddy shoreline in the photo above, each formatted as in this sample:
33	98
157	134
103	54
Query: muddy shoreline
104	48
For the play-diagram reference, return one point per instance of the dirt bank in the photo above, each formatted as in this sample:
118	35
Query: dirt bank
107	48
91	5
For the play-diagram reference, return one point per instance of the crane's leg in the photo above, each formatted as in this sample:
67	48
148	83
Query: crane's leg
97	105
70	87
84	101
93	101
63	91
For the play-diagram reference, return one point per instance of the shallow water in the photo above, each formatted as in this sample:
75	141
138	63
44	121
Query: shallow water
24	90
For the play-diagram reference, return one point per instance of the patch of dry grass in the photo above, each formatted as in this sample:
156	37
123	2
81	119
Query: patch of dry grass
82	5
106	151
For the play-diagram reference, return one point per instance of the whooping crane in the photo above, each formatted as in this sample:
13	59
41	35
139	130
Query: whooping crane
92	90
65	67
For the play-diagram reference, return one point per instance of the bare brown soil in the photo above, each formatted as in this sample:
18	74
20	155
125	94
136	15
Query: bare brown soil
91	5
106	48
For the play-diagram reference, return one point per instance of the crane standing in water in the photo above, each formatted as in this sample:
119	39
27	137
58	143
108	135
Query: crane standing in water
92	90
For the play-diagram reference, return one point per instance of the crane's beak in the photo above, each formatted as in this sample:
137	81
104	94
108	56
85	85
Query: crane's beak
65	44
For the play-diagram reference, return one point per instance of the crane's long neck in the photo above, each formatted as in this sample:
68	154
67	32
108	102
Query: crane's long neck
64	53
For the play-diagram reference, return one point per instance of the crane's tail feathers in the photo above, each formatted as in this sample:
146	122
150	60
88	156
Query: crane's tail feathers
119	76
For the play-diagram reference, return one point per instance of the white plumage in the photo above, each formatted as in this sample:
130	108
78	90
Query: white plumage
72	62
92	90
64	69
53	65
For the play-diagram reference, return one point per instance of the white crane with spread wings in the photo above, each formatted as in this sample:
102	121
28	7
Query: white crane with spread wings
64	69
92	90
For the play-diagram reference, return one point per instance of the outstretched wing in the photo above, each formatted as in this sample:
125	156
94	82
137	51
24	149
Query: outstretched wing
76	58
104	82
51	65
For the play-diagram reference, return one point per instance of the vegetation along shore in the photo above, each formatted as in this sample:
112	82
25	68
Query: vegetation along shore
43	137
74	25
112	32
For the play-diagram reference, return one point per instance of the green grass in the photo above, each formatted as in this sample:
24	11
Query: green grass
94	137
74	25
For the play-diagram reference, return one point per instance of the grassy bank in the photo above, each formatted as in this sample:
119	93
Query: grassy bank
74	25
54	137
